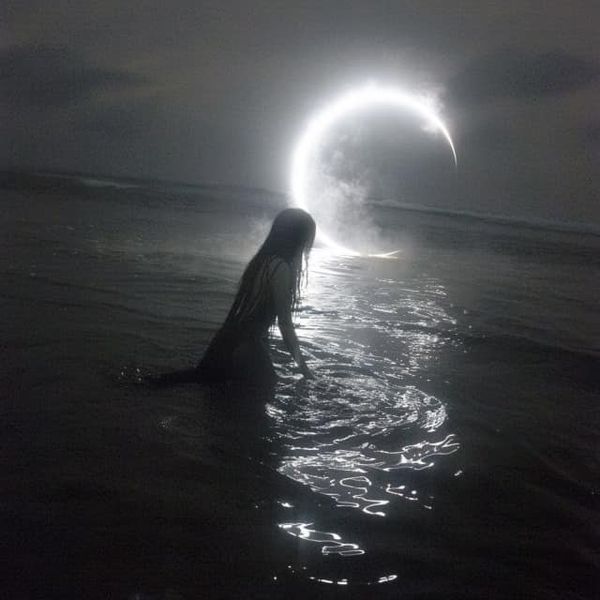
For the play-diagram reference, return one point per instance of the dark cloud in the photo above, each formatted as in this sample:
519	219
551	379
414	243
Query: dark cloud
489	136
41	76
118	120
592	133
591	137
512	74
220	91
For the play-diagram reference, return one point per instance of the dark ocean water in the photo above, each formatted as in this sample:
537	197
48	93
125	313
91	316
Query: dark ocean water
448	447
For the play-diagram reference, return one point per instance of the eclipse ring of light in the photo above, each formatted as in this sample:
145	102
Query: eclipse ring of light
348	103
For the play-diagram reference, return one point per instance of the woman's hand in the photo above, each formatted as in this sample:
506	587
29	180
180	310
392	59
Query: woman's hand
281	288
306	372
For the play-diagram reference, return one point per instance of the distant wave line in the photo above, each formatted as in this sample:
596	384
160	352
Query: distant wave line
567	226
90	180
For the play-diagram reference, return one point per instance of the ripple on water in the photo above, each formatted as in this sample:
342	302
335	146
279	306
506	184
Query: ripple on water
358	433
351	442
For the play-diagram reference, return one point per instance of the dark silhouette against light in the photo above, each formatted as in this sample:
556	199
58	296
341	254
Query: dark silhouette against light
269	291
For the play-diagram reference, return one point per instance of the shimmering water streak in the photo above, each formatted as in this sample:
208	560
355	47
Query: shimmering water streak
344	581
420	456
358	433
332	542
350	448
341	581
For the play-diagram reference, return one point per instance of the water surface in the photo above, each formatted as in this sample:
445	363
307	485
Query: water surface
446	449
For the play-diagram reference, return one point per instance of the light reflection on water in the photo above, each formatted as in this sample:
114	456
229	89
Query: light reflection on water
359	432
332	542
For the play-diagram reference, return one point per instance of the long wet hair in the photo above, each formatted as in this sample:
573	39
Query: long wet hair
290	239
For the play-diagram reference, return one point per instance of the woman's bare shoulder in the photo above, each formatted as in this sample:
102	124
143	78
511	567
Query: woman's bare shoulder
279	269
280	276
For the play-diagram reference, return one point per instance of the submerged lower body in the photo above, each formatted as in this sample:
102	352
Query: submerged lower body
231	356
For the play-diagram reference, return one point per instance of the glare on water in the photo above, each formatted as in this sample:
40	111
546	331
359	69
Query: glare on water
360	432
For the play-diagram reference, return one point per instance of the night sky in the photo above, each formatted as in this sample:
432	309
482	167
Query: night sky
219	91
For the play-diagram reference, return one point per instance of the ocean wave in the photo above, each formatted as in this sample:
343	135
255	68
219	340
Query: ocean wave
491	218
94	182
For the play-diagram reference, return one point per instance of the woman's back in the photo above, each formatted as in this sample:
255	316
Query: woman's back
239	349
269	290
254	306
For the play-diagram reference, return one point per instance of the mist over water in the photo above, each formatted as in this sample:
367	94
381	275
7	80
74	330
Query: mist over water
448	440
369	158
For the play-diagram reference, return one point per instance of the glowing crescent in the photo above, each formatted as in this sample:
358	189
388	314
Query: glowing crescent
353	101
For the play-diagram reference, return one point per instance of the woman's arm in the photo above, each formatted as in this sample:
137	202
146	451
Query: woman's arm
281	287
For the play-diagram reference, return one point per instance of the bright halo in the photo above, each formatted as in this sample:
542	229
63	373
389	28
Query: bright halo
371	95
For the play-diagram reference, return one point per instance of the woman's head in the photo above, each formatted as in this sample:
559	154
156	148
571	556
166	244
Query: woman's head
290	238
292	234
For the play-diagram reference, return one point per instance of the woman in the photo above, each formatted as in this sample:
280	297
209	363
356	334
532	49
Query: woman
269	290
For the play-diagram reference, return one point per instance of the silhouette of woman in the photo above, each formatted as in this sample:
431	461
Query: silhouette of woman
269	290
